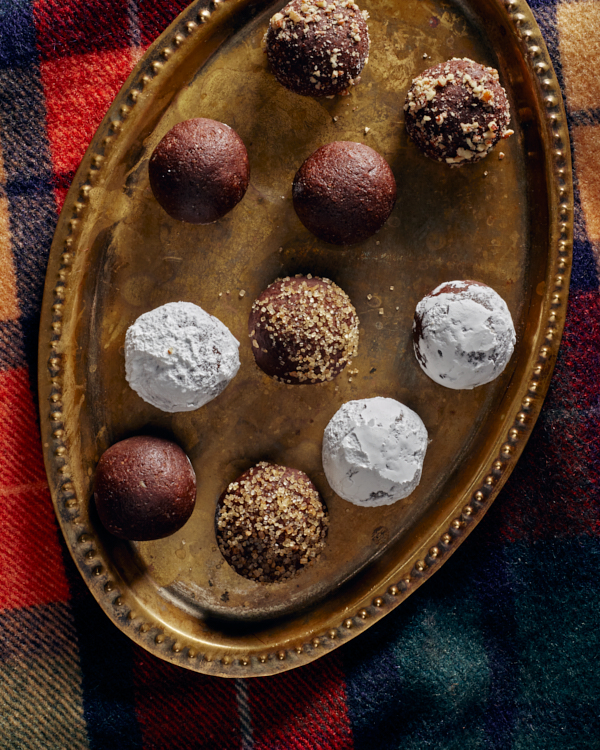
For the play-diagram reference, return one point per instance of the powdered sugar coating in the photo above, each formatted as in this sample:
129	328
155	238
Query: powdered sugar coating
178	357
373	451
463	334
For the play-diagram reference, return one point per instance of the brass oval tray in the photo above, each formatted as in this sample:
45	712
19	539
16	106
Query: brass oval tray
116	254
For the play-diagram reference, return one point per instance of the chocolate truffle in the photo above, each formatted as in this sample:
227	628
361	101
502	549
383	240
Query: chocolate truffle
271	523
145	488
199	171
373	451
457	111
318	48
463	334
344	192
303	330
178	357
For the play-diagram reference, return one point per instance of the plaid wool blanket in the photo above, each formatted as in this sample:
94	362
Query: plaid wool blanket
498	650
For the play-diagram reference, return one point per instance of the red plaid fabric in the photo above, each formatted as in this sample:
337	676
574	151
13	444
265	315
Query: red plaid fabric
496	651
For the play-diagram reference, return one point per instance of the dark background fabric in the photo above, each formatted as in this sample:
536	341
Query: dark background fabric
498	650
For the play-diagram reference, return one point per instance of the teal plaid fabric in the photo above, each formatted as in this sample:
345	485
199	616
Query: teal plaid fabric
498	651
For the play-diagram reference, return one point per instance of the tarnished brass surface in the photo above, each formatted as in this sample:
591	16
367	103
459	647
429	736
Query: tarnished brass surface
116	254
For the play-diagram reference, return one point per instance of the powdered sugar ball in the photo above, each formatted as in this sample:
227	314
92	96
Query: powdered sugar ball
373	451
178	357
463	334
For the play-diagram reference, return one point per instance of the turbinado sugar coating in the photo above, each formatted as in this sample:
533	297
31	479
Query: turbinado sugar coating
271	523
145	488
463	334
344	192
178	357
457	111
303	330
199	171
318	48
373	451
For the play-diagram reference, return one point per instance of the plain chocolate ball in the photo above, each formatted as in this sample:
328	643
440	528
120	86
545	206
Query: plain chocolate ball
145	488
199	171
344	192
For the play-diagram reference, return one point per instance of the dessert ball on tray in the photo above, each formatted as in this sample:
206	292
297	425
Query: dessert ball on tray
145	488
318	47
463	334
199	171
457	111
303	330
373	451
344	192
178	357
270	523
